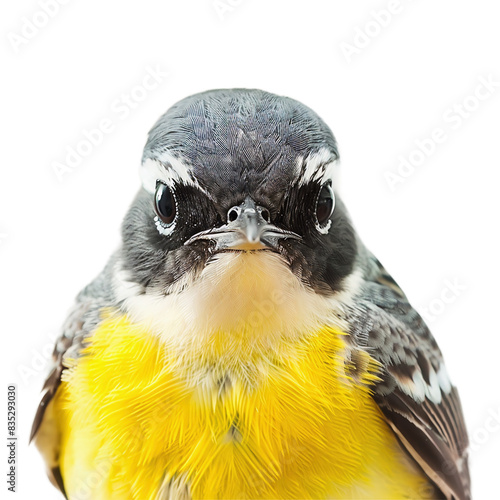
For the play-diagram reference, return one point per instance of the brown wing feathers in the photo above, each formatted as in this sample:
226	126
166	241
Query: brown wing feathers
434	437
423	410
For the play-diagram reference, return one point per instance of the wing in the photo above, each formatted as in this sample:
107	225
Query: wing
83	318
416	397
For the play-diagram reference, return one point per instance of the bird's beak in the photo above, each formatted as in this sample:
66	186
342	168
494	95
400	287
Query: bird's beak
248	228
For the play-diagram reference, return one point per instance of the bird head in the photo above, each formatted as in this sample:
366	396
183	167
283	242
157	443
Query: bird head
228	173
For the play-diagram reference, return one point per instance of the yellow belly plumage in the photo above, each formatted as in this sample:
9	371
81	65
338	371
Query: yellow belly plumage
139	423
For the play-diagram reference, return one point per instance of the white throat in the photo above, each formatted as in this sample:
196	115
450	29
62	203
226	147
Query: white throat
251	297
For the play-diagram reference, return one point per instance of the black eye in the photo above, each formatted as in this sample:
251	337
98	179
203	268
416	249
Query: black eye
165	203
325	204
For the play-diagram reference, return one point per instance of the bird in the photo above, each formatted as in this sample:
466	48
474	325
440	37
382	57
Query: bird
242	342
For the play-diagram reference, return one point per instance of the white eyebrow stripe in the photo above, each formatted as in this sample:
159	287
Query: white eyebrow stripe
168	169
319	167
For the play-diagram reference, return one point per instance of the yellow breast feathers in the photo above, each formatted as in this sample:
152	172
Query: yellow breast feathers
135	425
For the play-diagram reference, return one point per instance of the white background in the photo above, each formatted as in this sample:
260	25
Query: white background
438	226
